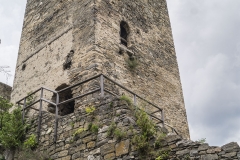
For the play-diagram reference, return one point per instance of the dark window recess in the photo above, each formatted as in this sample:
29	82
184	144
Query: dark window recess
124	32
23	67
68	60
66	108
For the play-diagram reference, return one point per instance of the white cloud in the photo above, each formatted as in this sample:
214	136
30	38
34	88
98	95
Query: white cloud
206	35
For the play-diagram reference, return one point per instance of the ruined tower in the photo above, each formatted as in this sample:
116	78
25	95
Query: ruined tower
65	42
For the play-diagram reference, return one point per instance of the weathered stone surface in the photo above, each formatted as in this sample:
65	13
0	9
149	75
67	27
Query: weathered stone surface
173	138
107	148
230	154
209	157
183	152
66	158
203	147
110	156
122	148
63	153
231	146
5	91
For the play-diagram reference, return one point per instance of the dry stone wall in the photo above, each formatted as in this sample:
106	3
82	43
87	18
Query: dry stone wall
182	149
5	91
86	136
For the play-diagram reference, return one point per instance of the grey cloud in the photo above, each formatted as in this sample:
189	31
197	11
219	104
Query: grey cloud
206	35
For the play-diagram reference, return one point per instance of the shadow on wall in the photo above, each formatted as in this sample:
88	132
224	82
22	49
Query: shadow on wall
66	108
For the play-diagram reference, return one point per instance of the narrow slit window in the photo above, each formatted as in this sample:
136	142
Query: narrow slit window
124	32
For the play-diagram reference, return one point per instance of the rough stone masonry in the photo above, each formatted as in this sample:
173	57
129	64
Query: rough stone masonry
100	145
64	42
5	91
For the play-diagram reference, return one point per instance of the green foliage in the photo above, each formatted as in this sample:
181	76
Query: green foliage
5	105
202	140
29	99
77	132
141	143
72	124
93	128
164	155
119	134
111	105
132	64
12	129
159	139
111	129
90	109
31	142
127	99
145	123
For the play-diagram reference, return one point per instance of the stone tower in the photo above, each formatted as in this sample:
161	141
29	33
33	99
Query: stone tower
67	41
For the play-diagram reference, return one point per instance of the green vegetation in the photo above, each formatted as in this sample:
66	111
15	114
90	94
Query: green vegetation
147	132
163	155
29	99
111	105
119	134
90	109
202	140
12	130
159	140
72	124
132	64
93	128
77	132
31	142
127	99
111	129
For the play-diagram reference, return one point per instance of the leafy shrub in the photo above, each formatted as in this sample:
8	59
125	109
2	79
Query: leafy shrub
12	130
30	99
159	139
202	140
111	129
90	109
132	64
77	132
127	99
31	142
119	134
141	143
163	154
93	128
145	123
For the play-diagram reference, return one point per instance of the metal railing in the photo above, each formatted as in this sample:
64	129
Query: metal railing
102	91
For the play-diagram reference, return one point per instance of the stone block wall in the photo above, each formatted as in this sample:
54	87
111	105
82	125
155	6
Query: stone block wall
182	149
91	144
88	144
5	91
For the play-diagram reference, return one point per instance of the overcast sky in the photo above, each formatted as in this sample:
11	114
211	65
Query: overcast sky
207	40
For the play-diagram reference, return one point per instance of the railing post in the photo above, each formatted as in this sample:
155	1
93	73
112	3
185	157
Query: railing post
56	118
163	117
40	115
135	100
23	111
102	85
